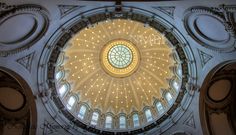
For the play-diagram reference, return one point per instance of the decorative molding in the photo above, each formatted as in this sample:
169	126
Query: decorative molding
32	24
67	9
4	8
48	128
220	17
26	61
204	57
227	14
168	10
190	121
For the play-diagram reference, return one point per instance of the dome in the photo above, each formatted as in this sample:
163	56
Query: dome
118	68
124	67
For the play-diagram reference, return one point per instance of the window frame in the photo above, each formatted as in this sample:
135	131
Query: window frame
108	122
93	121
82	114
136	123
148	118
69	105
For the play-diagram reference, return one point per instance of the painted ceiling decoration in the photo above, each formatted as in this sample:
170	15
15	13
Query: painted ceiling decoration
117	67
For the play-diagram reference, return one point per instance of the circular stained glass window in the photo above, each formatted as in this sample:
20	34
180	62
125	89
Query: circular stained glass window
120	56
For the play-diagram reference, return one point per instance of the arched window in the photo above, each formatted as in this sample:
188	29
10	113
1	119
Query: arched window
59	75
136	120
160	108
179	71
70	102
148	115
122	122
108	122
94	120
62	90
60	59
82	112
176	85
169	98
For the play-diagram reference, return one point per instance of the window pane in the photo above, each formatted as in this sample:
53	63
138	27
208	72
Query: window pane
58	75
160	108
94	118
179	71
60	59
148	115
70	103
169	98
108	123
176	85
122	122
82	112
62	90
135	120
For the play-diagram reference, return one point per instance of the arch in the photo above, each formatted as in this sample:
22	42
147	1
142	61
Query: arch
122	122
60	59
135	118
60	74
169	98
148	115
214	119
29	105
82	111
71	102
63	89
160	108
94	119
108	121
176	84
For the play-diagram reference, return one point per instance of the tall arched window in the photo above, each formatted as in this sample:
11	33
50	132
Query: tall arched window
60	59
122	122
169	98
179	71
108	122
62	90
135	120
176	85
82	112
94	120
160	108
71	102
148	115
59	75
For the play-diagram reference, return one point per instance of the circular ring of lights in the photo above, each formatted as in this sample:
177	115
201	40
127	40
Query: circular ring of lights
119	58
58	42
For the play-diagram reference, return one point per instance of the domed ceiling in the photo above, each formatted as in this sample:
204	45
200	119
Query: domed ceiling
118	65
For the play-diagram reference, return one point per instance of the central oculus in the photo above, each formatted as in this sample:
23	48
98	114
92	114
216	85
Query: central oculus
119	58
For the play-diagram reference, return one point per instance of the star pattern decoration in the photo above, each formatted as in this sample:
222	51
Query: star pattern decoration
106	92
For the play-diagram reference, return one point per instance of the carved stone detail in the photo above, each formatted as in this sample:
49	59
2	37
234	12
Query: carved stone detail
168	10
220	39
67	9
32	23
204	57
26	61
190	121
